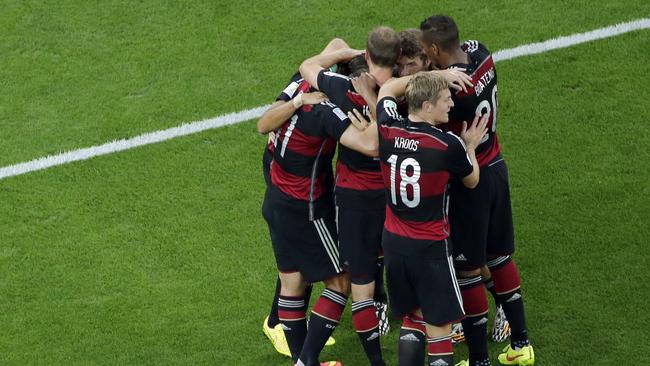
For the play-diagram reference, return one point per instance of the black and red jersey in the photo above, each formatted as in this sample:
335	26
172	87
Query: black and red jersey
303	151
286	95
481	98
358	177
417	162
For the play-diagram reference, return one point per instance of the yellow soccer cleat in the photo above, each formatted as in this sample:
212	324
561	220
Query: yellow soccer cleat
277	338
330	341
463	363
524	356
331	363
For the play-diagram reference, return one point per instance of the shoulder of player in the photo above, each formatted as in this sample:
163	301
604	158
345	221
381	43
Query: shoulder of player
472	46
452	139
328	109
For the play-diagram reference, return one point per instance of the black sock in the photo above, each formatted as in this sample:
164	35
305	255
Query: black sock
440	351
412	343
489	285
508	285
324	318
475	323
291	311
367	326
273	315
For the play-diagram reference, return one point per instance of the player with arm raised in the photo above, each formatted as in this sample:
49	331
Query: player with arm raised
481	219
417	161
300	215
359	189
285	105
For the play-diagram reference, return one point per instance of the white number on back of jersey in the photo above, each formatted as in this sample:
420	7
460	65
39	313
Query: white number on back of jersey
485	105
287	134
407	180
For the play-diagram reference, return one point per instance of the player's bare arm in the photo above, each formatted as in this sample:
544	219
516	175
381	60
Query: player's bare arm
472	136
310	68
366	141
366	85
281	111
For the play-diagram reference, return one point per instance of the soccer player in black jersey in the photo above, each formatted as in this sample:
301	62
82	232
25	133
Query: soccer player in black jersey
300	213
481	219
285	105
417	161
359	189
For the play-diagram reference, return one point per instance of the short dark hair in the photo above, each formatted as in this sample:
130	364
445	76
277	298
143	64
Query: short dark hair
410	43
383	46
353	68
441	30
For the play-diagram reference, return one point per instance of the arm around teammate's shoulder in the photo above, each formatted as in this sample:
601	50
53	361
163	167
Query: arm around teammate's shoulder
364	141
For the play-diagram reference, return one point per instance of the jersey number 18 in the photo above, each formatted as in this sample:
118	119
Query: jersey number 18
406	180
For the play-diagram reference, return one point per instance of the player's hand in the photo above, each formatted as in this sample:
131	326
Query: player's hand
473	135
271	139
458	79
313	98
365	84
358	120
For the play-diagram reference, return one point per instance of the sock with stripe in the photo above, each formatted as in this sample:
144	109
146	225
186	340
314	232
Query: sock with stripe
476	319
507	284
440	351
412	341
273	314
324	318
292	314
367	326
489	285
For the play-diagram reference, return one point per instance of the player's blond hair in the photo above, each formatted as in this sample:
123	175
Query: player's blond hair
424	86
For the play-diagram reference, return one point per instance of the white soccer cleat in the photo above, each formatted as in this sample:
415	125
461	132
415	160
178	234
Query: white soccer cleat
501	330
381	310
457	333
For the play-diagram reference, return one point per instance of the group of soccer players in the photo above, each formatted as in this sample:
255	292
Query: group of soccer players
420	187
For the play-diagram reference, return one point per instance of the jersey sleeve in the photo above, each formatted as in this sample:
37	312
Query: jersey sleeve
459	163
387	112
336	86
290	90
333	121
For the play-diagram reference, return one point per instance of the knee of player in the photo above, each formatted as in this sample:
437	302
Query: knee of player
339	283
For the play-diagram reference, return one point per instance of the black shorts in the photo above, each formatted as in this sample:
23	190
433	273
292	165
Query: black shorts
360	242
481	218
420	275
300	245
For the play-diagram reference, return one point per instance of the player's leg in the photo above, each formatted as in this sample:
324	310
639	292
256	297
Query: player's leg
507	282
292	311
381	297
439	348
501	326
324	318
476	316
440	296
359	241
318	260
469	215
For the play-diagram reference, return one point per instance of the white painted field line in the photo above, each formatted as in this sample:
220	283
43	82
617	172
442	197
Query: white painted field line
233	118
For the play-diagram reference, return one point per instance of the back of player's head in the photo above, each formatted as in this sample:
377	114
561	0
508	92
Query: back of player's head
354	67
441	30
424	86
410	42
383	46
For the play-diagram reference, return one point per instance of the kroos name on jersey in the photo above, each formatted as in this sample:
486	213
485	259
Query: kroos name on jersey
406	144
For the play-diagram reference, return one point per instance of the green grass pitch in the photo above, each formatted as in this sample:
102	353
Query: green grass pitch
159	255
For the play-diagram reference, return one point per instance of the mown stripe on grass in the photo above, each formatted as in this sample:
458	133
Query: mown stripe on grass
238	117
